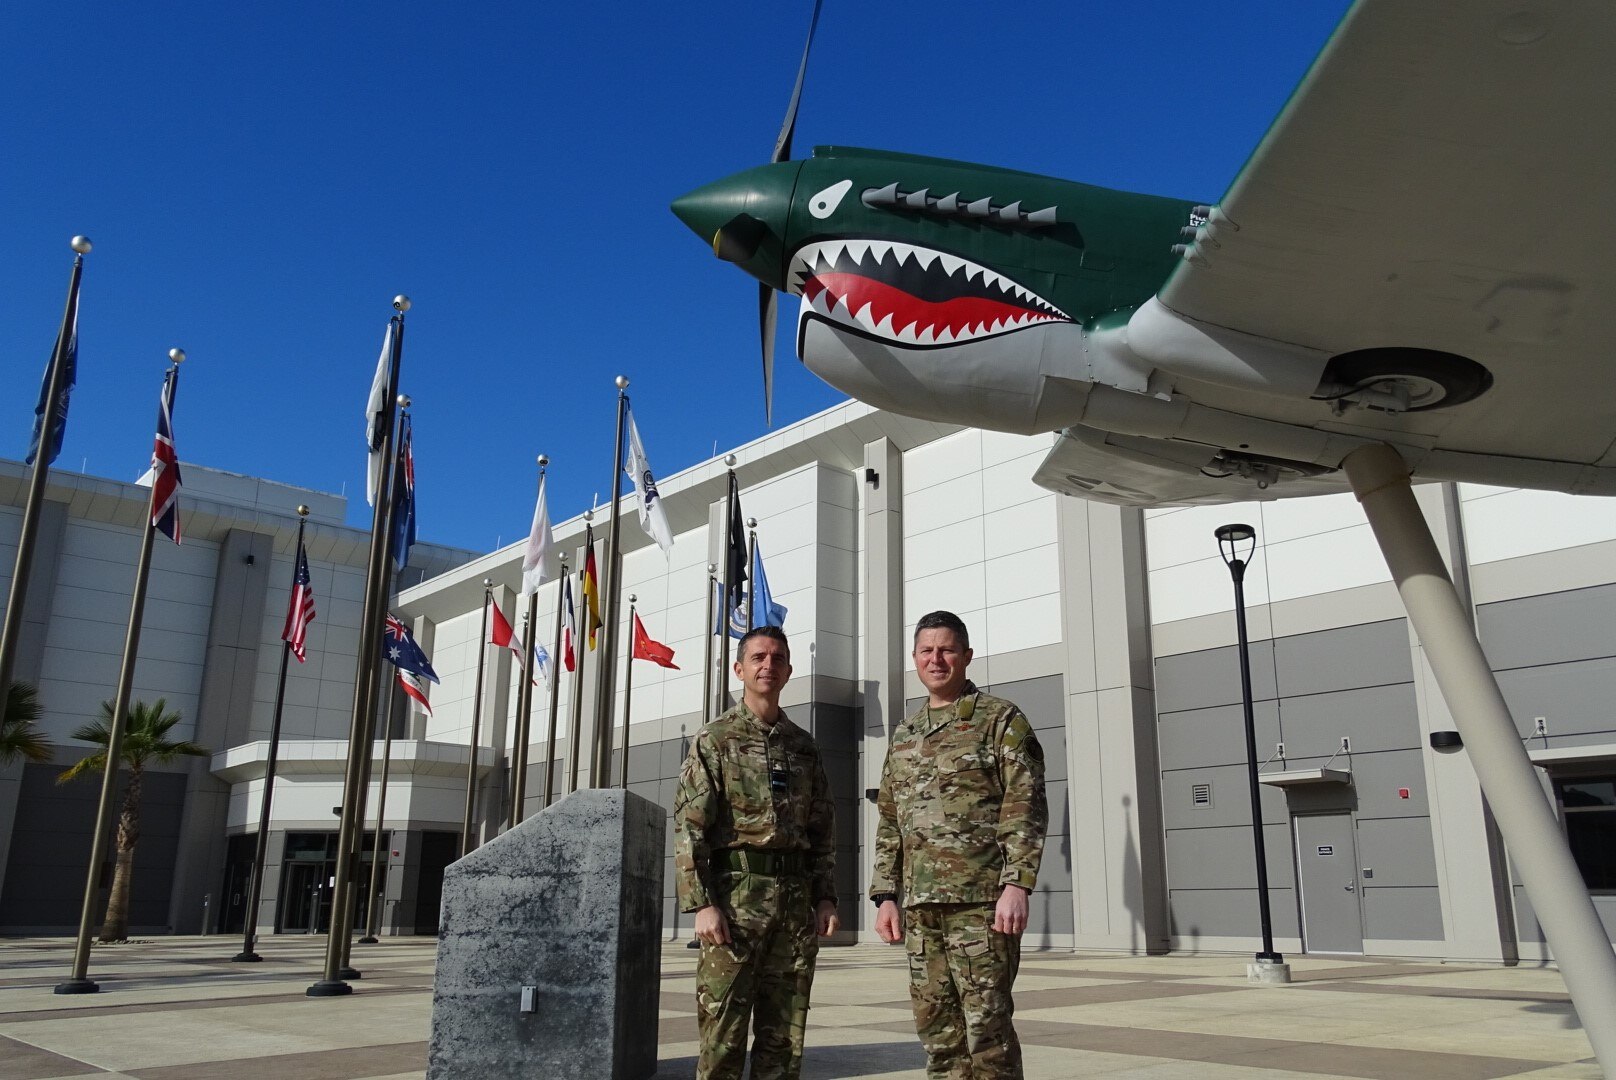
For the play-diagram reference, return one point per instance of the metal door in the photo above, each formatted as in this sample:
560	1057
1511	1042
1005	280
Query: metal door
1327	869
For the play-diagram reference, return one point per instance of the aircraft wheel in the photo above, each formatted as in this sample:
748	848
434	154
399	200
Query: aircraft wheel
1434	380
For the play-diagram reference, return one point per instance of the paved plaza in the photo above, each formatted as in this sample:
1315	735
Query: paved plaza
177	1009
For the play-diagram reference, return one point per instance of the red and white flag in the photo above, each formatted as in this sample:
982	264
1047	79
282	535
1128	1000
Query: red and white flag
646	649
569	630
164	475
414	692
501	634
300	612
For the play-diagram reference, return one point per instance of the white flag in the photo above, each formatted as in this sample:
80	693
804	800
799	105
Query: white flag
376	416
653	518
536	560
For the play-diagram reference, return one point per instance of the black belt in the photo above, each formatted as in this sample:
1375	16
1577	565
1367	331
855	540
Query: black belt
765	863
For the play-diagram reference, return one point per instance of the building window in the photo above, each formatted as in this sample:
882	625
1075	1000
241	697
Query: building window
1588	804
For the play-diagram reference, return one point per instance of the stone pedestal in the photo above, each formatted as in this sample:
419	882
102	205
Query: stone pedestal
1268	973
561	916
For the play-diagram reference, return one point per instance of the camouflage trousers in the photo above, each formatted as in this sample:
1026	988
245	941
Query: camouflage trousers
960	974
763	975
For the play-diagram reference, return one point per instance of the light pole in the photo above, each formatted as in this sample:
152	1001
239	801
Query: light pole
1236	543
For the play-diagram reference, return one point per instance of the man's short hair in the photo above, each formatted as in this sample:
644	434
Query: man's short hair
774	633
944	620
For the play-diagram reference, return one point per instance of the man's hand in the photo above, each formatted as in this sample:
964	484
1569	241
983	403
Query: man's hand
888	922
1010	913
711	926
827	920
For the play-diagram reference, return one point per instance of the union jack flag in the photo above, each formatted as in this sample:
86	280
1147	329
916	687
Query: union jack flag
165	464
400	649
300	612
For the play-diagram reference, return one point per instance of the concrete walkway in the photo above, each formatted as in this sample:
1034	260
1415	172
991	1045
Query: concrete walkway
177	1009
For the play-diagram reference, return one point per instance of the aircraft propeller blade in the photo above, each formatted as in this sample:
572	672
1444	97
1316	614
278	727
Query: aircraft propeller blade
782	145
767	309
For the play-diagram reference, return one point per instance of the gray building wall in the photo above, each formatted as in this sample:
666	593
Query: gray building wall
1310	692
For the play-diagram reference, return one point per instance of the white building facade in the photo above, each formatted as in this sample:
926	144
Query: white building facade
1112	628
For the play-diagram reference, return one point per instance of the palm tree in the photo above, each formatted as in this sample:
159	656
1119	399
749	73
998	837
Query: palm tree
19	734
145	742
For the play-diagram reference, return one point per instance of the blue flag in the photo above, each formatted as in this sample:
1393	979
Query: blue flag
54	414
404	494
765	612
399	648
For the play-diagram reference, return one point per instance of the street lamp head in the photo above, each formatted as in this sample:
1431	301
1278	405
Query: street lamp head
1236	543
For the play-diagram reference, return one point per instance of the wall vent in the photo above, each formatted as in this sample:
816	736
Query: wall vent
1201	795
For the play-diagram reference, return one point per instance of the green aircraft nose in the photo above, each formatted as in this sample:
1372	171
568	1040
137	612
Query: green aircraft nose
744	218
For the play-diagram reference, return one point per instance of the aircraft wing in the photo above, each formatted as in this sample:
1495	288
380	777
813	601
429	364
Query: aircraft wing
1443	178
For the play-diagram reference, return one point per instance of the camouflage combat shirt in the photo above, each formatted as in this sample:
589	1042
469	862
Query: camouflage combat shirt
725	801
962	806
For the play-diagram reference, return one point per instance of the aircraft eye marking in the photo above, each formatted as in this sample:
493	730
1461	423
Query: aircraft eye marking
924	202
824	204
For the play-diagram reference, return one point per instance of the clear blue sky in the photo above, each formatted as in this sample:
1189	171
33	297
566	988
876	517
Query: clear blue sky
260	180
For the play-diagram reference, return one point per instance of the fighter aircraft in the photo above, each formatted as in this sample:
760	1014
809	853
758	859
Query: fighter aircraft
1417	253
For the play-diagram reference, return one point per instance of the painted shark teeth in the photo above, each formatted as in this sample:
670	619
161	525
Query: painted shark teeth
816	268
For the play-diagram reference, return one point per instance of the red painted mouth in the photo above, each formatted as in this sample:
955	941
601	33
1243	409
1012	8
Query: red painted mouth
913	296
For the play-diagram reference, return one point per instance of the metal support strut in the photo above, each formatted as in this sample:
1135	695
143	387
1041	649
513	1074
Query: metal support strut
1532	834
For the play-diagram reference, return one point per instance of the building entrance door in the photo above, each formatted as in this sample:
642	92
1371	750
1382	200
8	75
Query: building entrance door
306	899
1327	869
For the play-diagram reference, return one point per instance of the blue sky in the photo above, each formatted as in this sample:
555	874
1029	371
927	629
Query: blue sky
260	180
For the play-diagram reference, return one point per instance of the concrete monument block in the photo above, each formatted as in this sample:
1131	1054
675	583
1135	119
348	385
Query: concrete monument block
549	947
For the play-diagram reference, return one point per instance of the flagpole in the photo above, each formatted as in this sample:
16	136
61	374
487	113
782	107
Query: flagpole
362	722
574	750
751	573
43	456
250	931
628	688
524	716
356	849
729	588
80	982
555	696
707	657
606	676
466	846
381	816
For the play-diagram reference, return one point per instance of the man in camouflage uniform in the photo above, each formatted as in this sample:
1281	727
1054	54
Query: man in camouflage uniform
961	832
755	858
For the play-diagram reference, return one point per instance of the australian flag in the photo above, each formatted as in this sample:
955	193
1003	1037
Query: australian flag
400	650
165	464
404	495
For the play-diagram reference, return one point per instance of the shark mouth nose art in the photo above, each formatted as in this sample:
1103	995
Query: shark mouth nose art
912	295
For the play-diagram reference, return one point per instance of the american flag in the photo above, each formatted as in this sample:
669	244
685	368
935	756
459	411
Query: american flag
300	612
165	464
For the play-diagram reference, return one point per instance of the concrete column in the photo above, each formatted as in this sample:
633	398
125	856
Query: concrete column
1119	887
426	633
30	658
884	654
224	718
